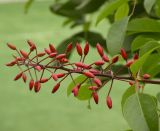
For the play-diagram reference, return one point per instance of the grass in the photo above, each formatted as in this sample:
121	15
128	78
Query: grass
22	110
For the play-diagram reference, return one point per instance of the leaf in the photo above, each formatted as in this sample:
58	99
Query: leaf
139	63
148	5
143	25
84	93
122	12
116	35
108	9
130	91
72	84
153	67
28	5
148	46
140	111
139	41
158	96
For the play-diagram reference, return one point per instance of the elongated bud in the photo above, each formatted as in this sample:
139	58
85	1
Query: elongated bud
24	77
11	46
31	84
105	58
51	55
43	80
94	71
115	59
18	76
60	75
95	97
79	49
52	49
69	48
124	54
129	63
99	49
47	51
54	76
109	102
64	60
37	86
86	48
38	68
93	88
31	43
12	63
97	82
135	57
56	87
41	54
60	56
24	54
32	48
82	65
146	76
89	74
99	63
75	90
131	83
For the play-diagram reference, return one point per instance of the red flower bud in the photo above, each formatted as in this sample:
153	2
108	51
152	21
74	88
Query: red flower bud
79	49
135	57
89	74
99	62
18	76
76	89
54	76
37	86
82	65
93	88
124	54
24	54
41	54
86	48
115	59
69	48
38	68
97	82
47	51
129	63
31	84
95	97
64	60
109	102
60	56
11	46
12	63
32	48
94	71
43	80
131	83
105	58
60	75
146	76
31	44
24	77
56	87
99	49
51	55
52	49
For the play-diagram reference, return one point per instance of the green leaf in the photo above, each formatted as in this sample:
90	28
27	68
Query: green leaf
122	12
158	97
108	9
116	35
28	5
148	5
140	41
143	25
84	93
139	63
148	46
157	8
140	111
130	91
153	67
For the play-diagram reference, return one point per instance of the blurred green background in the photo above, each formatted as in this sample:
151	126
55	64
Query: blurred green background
22	110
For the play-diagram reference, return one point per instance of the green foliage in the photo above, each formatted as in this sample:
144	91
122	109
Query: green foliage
143	107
